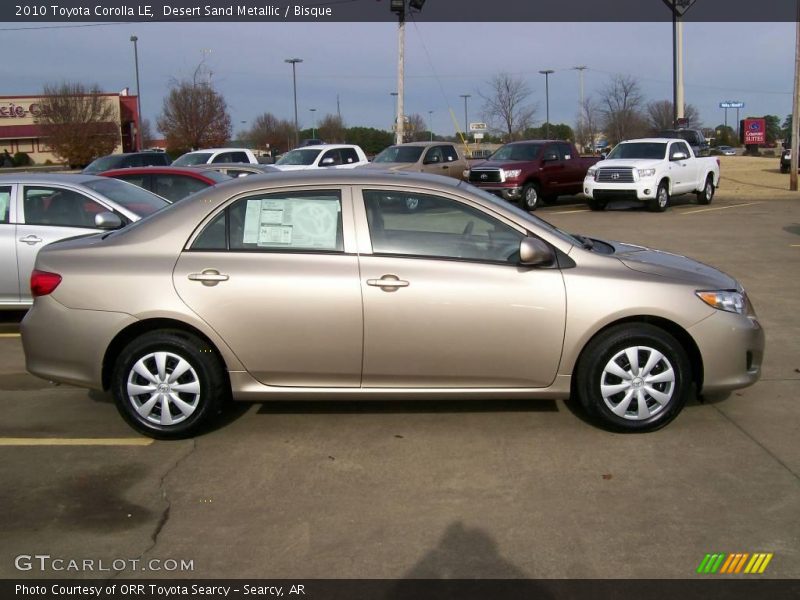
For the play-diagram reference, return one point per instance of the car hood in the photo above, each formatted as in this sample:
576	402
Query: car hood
391	166
294	167
631	163
674	266
500	164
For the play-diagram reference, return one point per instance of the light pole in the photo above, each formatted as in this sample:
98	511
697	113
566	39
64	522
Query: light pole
394	108
135	39
313	122
678	8
580	71
466	119
399	8
430	123
547	73
293	62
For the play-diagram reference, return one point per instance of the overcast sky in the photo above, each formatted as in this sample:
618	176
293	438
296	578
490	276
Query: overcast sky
357	61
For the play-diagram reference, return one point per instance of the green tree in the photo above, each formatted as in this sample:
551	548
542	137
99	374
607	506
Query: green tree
773	126
370	139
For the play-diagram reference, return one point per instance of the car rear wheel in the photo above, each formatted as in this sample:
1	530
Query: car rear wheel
633	377
531	194
661	201
707	194
168	384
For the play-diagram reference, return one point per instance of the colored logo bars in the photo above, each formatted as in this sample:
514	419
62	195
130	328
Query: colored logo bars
731	564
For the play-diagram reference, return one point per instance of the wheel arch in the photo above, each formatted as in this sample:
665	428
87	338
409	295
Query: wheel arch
679	333
124	337
668	181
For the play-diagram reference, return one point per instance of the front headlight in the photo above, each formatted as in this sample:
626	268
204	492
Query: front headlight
512	173
591	172
724	300
646	172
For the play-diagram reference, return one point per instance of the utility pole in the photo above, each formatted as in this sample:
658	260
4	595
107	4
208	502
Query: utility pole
466	118
135	39
678	8
547	73
430	123
293	62
338	108
399	8
580	71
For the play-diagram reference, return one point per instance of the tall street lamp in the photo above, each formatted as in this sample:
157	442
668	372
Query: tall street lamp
135	39
394	108
313	112
430	124
547	73
293	62
466	120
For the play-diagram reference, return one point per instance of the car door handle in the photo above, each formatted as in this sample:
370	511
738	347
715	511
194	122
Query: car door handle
208	277
30	239
388	282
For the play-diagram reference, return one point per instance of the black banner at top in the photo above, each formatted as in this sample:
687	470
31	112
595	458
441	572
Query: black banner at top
382	10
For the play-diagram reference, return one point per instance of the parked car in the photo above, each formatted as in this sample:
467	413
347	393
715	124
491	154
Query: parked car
38	209
127	160
330	156
239	169
786	160
171	183
725	150
532	171
305	286
651	170
216	155
438	158
693	137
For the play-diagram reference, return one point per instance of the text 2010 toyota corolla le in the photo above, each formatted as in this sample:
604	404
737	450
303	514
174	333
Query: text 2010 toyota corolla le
319	286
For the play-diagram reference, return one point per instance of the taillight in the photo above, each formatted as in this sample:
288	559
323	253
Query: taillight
43	283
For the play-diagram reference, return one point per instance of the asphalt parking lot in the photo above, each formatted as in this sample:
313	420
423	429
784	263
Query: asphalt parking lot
434	489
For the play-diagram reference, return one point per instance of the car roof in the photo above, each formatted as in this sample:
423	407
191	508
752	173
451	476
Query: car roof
73	178
159	170
326	147
660	140
429	143
220	150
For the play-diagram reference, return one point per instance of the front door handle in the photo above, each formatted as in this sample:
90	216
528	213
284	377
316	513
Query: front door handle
30	239
389	283
208	277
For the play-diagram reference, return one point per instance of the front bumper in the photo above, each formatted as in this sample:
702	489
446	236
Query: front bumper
732	348
512	192
644	189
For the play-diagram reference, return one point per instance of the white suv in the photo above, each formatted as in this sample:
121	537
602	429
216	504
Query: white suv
326	156
216	155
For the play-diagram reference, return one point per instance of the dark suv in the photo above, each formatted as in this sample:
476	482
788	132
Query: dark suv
129	159
694	137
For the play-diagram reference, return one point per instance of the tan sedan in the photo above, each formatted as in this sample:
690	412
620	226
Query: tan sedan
314	285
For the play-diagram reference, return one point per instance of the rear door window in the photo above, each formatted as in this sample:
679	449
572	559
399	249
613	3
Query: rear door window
44	205
5	204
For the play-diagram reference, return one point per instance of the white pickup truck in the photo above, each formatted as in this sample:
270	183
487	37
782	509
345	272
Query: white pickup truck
651	170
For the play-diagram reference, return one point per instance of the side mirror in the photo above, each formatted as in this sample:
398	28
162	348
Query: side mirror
679	156
431	160
327	162
550	156
533	252
107	220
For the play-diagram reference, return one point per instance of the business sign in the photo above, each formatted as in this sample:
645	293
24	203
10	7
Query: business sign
477	136
754	131
478	127
9	110
731	104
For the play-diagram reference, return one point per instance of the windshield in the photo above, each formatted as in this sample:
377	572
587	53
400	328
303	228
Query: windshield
399	154
192	158
140	202
517	152
299	157
655	150
495	200
104	163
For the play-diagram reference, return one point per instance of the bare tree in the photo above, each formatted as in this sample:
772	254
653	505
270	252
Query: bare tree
415	128
659	114
147	133
332	129
505	105
622	102
589	119
79	122
267	131
194	115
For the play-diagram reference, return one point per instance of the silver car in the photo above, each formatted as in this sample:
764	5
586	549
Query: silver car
36	210
313	285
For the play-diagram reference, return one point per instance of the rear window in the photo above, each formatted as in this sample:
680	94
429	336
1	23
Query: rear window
192	158
104	163
155	159
129	196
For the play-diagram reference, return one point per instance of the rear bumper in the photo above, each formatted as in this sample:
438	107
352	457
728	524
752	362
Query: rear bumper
732	347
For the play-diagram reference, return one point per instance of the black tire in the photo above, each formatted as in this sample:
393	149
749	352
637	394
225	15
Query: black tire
611	345
661	202
597	204
706	195
531	196
205	374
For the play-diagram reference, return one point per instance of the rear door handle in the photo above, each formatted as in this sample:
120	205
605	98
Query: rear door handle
30	239
208	277
388	283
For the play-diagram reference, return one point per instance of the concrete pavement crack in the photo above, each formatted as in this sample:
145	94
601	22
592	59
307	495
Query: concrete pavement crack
756	442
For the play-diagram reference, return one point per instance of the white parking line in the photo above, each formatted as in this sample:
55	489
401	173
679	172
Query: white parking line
692	212
566	212
8	335
75	441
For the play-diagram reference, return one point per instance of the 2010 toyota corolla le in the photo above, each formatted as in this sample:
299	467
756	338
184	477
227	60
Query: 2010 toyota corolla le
317	286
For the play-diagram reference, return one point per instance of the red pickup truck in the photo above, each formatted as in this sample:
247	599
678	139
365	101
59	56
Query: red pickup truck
532	172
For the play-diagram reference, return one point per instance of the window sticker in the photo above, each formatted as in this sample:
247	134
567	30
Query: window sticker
292	223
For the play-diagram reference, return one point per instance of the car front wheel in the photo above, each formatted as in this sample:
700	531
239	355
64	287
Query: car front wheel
661	201
633	378
531	196
168	384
